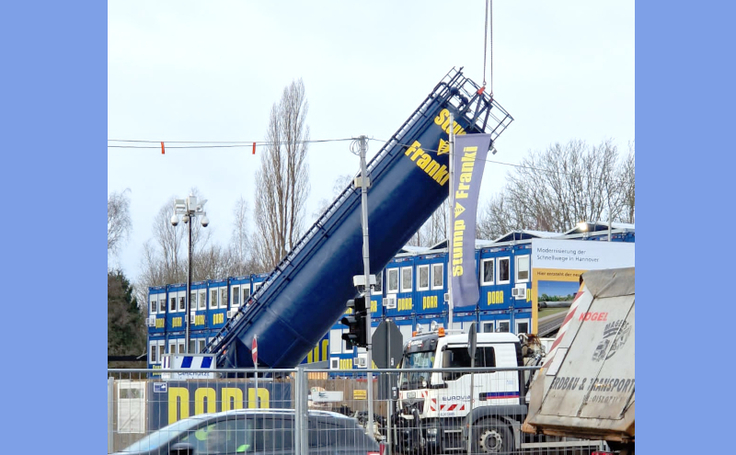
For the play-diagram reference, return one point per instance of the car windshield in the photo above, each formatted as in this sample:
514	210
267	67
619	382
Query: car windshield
164	435
414	360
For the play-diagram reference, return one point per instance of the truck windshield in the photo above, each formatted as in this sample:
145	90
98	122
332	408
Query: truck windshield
413	360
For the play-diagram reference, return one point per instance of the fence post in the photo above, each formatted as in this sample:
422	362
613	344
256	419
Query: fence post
301	412
110	405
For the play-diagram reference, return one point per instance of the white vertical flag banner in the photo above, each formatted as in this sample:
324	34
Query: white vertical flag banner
468	164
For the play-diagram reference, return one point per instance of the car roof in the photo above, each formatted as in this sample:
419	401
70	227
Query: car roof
271	411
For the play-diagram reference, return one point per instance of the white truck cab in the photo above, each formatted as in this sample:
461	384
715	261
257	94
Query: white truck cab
435	404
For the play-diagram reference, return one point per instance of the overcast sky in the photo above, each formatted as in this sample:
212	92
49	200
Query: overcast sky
211	71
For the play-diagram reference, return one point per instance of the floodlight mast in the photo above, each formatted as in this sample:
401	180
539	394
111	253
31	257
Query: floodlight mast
189	208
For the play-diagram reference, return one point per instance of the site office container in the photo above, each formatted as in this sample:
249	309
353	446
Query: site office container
430	284
217	301
399	288
198	306
156	318
175	307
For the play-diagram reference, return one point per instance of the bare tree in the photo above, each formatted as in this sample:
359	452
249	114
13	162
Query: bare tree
628	178
341	182
559	187
282	183
165	256
240	242
434	230
118	220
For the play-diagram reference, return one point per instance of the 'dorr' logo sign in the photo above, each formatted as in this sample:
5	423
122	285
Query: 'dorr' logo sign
615	335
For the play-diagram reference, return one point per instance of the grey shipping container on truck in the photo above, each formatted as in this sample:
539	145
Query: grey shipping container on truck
586	389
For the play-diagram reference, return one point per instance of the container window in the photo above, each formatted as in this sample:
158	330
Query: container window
423	277
438	276
504	272
213	298
522	268
236	297
406	279
486	271
393	281
202	304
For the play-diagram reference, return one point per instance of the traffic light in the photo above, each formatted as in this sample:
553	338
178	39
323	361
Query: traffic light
356	335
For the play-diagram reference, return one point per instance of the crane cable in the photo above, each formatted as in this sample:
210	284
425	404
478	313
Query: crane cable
488	37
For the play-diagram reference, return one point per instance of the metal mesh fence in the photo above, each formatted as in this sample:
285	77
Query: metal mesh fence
309	411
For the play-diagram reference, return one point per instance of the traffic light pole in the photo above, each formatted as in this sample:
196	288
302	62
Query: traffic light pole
366	274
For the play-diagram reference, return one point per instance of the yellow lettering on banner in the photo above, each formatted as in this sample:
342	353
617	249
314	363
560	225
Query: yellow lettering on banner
325	345
495	297
231	393
457	247
404	304
424	161
178	404
346	364
263	395
443	119
429	301
160	323
360	394
204	395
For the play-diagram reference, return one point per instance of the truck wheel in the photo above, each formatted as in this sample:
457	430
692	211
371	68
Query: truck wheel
492	436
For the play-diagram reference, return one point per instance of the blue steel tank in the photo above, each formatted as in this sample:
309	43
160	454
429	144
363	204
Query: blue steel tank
307	292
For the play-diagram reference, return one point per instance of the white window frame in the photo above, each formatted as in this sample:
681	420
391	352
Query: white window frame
223	297
420	268
378	288
151	310
522	321
182	298
390	289
214	294
486	325
502	322
162	308
201	343
483	263
202	299
441	274
173	303
235	289
172	347
152	352
181	346
337	345
245	293
161	351
404	271
192	300
507	259
518	268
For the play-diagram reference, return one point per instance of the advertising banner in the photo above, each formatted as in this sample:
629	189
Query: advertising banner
170	401
468	163
558	264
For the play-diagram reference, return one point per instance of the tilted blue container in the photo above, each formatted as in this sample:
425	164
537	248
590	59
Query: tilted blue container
306	293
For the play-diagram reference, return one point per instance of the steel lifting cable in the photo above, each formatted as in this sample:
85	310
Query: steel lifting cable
488	37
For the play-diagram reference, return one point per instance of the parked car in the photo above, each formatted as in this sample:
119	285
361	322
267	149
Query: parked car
256	431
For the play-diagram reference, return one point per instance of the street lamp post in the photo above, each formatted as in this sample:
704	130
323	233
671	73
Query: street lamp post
189	208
